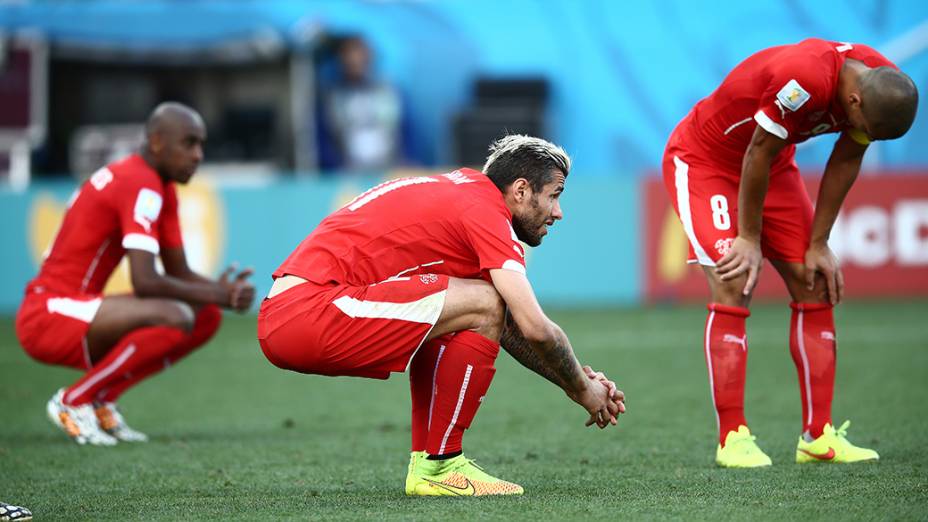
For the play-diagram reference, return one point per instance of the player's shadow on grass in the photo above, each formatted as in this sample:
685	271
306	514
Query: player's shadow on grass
10	441
249	436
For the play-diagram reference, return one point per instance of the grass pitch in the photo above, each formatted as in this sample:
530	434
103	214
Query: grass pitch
235	438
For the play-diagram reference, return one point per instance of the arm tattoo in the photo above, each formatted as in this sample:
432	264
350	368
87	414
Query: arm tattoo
558	366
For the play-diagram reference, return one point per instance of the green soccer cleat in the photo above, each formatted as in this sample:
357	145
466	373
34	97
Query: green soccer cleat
740	451
410	475
832	446
455	477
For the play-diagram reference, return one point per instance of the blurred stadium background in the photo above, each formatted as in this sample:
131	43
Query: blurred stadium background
607	80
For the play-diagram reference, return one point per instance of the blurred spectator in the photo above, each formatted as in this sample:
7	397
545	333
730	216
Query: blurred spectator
361	119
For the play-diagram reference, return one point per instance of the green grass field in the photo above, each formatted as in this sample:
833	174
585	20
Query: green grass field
235	438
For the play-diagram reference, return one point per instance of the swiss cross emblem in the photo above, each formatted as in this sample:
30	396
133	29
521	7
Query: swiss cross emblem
723	245
428	279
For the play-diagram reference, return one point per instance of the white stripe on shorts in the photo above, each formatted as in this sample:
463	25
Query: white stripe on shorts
425	310
682	182
76	309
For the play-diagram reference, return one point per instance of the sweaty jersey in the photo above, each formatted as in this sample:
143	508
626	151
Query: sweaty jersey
790	91
455	224
125	205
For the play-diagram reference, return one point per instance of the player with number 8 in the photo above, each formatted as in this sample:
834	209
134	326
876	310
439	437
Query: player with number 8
730	171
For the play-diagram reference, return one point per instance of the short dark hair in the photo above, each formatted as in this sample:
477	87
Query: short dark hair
890	100
516	156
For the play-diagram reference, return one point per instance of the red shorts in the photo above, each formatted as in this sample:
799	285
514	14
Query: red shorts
705	198
53	327
362	331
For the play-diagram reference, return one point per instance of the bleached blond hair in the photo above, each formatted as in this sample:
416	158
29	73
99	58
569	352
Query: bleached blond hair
518	156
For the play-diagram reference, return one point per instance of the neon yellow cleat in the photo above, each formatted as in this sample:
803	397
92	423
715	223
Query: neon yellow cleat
411	480
832	446
740	451
457	477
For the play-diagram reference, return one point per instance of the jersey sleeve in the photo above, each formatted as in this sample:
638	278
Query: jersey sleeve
494	241
169	222
139	206
796	90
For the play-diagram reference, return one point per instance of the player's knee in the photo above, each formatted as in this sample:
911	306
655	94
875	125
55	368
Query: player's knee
174	314
492	314
729	293
208	320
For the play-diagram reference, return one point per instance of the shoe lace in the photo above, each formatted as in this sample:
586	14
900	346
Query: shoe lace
842	431
464	462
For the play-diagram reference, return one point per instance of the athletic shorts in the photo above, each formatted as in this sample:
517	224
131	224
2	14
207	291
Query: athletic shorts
705	198
361	331
52	328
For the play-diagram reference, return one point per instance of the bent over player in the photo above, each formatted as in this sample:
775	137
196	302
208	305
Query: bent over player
729	168
417	274
126	208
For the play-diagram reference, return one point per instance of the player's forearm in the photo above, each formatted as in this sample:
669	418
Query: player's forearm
755	175
195	292
521	350
194	277
558	356
839	176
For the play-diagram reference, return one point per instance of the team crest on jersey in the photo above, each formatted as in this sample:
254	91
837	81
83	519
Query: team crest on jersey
428	279
792	96
722	246
147	208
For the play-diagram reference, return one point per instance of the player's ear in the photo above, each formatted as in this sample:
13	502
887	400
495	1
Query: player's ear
155	142
520	189
854	100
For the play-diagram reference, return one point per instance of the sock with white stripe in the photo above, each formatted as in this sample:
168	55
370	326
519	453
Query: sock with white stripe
726	351
423	370
813	347
462	378
204	327
135	351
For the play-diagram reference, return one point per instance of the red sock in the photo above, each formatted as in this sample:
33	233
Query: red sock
205	326
726	350
423	371
812	345
461	380
135	351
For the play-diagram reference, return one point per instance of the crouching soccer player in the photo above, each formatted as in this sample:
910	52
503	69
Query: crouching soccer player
418	274
126	208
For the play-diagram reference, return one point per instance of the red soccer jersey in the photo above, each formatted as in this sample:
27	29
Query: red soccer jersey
454	224
788	90
123	205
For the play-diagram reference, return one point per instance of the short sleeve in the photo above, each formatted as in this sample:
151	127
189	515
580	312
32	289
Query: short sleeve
494	241
791	95
169	223
139	207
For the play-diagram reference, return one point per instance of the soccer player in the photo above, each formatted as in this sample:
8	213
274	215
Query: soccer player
126	208
418	274
730	171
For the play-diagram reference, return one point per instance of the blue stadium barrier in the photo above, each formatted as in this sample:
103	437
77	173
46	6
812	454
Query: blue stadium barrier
590	258
622	73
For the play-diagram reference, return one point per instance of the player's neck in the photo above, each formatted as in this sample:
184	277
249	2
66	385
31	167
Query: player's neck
150	161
